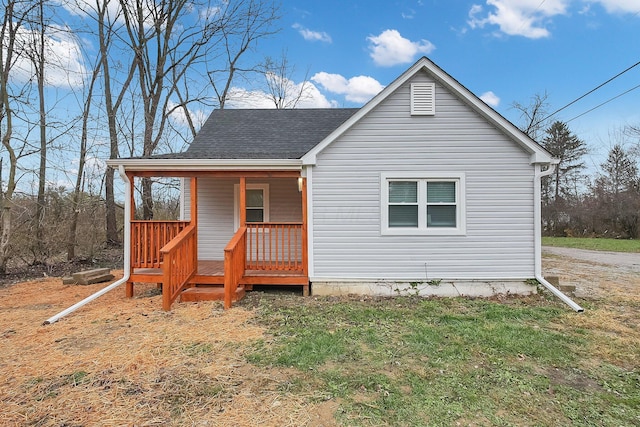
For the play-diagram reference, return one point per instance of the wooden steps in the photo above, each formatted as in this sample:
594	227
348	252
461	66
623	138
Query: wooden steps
209	293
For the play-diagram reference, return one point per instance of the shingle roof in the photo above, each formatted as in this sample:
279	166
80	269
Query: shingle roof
263	134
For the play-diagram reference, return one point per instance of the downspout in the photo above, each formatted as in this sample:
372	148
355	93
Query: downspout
538	239
127	255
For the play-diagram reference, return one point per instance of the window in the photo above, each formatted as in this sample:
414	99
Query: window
257	198
441	204
255	204
423	205
403	204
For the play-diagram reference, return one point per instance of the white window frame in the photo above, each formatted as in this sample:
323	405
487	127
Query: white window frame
422	229
236	202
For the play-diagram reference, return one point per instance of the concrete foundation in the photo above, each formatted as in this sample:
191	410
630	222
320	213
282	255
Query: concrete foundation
444	288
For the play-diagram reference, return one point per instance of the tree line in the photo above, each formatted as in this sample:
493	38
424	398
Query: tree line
604	202
82	80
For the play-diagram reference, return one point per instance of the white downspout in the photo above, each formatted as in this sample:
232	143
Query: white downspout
127	255
537	209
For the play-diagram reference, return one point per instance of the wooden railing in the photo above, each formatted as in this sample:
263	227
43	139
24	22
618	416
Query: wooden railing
179	265
148	237
275	246
234	264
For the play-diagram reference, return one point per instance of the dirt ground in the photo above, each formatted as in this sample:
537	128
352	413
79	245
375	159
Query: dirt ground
125	362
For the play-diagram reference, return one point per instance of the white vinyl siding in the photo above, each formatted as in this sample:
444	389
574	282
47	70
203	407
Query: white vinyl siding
497	242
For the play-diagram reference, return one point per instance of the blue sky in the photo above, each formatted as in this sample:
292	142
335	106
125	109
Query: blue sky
346	51
504	51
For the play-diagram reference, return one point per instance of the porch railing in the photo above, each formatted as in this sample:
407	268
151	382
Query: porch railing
234	264
275	246
179	265
148	237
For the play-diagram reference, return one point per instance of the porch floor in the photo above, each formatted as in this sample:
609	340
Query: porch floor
212	273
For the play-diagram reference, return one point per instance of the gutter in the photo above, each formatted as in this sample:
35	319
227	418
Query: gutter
127	256
538	239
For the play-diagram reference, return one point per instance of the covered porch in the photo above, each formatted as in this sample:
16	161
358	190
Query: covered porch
262	250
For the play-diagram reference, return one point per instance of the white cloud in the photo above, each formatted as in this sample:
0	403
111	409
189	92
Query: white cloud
525	18
179	115
83	7
390	48
245	98
490	98
409	15
619	6
313	36
312	98
64	62
356	89
315	99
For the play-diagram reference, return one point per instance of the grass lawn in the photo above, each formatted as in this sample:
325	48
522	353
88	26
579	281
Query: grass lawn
418	362
612	245
277	359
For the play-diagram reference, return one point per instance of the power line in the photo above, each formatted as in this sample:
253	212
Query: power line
589	93
524	22
605	102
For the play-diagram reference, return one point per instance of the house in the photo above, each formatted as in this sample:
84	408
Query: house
424	188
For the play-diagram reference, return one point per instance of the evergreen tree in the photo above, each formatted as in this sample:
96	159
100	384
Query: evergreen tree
618	191
560	190
569	150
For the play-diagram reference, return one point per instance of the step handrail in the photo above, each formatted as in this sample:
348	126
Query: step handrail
234	264
179	265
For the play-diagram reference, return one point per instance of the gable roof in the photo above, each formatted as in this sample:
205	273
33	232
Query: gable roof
281	138
263	133
538	153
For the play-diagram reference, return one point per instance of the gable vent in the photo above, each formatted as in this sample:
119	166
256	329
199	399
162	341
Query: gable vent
423	99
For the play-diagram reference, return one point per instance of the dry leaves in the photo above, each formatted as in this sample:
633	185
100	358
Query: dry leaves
119	362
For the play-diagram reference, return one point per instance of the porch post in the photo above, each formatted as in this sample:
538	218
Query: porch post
305	243
243	201
193	182
132	203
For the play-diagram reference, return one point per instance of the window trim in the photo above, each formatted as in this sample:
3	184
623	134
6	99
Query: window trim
236	202
422	229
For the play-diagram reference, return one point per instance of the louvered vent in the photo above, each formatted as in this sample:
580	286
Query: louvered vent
423	99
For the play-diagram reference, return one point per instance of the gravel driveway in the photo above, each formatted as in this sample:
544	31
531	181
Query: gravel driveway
628	261
594	273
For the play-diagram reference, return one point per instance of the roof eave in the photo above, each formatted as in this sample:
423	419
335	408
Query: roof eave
161	165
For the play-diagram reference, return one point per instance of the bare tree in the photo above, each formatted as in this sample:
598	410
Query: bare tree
107	16
39	61
15	14
283	91
167	47
634	133
247	22
77	192
534	116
